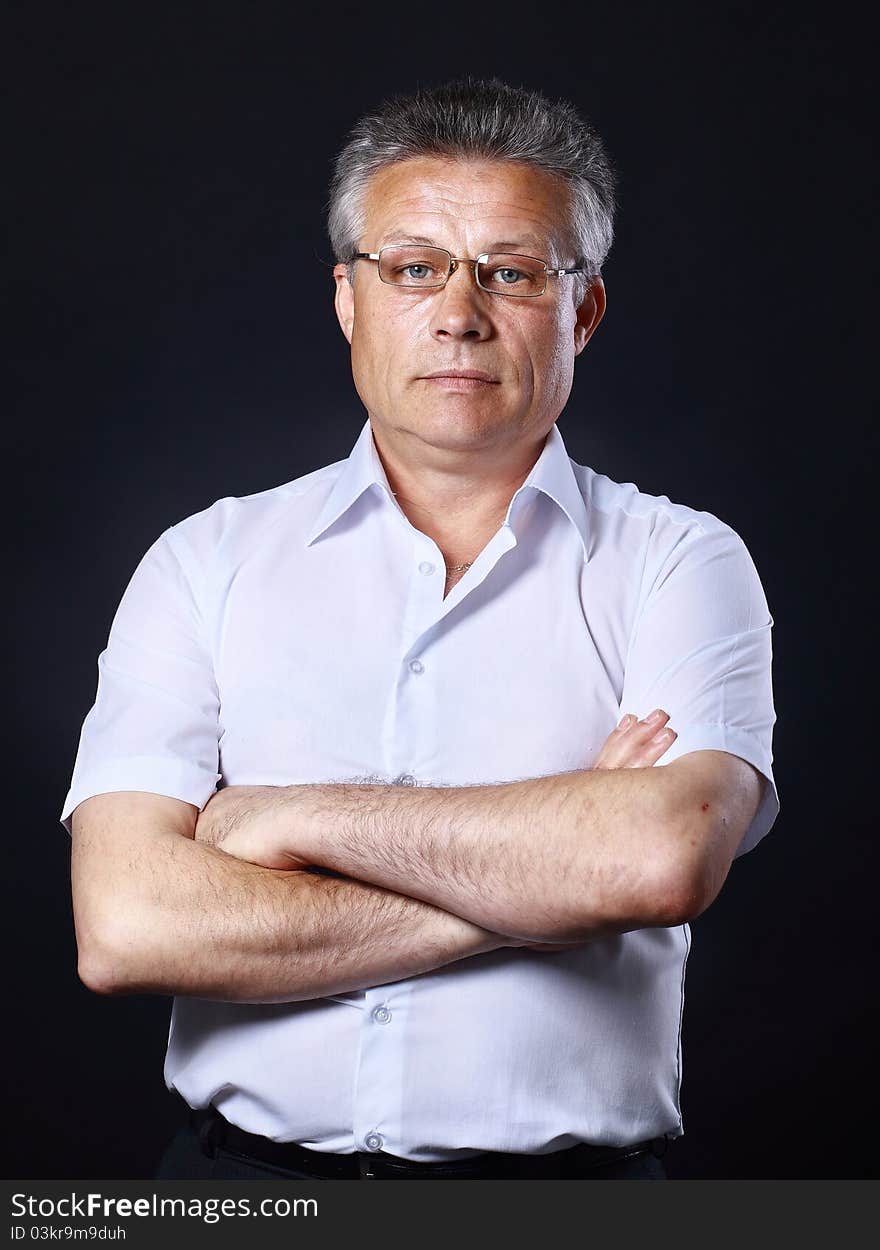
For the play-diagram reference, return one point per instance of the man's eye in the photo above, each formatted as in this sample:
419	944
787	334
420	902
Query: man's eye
528	277
417	272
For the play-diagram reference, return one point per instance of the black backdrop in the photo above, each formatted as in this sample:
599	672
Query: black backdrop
172	341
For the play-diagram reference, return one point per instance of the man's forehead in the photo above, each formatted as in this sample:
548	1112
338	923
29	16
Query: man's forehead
418	197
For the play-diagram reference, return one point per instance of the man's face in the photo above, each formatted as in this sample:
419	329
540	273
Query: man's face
525	347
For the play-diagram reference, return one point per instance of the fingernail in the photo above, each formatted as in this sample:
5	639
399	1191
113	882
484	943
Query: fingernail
627	721
655	715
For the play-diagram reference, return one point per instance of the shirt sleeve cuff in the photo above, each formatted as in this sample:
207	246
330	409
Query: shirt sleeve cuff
157	775
749	748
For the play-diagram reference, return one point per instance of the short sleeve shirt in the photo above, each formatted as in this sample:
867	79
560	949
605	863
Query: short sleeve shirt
301	635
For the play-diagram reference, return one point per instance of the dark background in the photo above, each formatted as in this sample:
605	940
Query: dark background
172	341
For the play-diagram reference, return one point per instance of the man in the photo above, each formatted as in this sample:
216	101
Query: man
434	920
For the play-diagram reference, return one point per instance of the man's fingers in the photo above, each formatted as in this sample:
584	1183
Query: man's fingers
637	743
649	725
655	747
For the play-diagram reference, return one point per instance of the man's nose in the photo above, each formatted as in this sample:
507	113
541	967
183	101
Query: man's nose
461	308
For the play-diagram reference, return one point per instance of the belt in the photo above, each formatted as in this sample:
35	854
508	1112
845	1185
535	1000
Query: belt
216	1133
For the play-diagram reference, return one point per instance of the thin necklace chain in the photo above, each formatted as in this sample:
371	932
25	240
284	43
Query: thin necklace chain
452	568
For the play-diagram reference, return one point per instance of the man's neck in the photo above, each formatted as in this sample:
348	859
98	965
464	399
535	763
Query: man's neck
459	511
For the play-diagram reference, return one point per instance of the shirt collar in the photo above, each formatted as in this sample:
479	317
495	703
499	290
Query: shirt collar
552	473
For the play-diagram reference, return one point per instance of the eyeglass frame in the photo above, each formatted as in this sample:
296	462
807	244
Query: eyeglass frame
549	272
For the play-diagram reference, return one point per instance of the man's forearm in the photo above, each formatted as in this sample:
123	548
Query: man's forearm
184	918
570	856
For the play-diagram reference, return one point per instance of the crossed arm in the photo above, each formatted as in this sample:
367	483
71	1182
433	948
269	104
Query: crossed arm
159	913
227	912
558	859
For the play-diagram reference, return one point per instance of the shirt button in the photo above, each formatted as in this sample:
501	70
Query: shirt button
373	1141
426	567
381	1015
416	666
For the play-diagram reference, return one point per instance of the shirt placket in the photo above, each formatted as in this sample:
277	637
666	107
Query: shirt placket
411	731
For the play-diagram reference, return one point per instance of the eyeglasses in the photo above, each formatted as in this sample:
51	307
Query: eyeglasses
500	273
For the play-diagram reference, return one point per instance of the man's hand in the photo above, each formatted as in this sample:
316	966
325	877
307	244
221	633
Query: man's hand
237	819
633	744
636	743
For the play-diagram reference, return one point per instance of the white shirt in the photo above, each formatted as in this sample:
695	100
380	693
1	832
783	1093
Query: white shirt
300	635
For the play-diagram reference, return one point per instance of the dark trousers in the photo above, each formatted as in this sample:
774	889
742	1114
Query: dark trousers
185	1160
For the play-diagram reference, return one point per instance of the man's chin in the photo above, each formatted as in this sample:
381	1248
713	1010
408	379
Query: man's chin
458	431
454	414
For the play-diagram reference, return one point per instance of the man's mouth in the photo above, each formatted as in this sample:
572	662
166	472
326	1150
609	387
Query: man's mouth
460	379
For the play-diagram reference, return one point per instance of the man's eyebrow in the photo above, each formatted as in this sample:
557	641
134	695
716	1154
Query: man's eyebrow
396	236
527	240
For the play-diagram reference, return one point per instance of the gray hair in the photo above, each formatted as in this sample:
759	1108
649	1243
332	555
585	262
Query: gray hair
473	119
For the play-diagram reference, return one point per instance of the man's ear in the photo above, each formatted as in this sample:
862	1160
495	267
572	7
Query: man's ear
344	300
589	314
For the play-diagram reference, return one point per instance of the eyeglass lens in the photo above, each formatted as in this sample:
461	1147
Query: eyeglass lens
412	265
